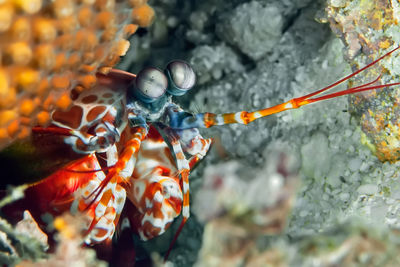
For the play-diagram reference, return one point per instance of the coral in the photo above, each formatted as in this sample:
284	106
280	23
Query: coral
25	241
69	251
29	227
47	47
370	28
25	244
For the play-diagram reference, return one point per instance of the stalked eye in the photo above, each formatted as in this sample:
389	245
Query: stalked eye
151	84
181	77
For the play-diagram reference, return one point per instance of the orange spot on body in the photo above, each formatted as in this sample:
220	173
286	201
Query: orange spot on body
186	197
109	118
71	117
82	205
106	197
157	211
150	230
95	113
228	118
107	95
74	95
245	116
89	99
86	193
7	116
180	156
101	233
176	204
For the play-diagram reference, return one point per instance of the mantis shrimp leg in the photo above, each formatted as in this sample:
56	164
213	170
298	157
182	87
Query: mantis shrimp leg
184	170
104	211
122	170
103	198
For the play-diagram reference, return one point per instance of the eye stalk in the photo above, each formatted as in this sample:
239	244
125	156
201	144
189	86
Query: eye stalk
151	84
181	77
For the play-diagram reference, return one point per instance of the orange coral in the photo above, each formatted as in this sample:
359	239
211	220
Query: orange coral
47	47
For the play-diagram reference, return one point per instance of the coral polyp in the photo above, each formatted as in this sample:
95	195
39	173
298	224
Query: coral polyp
48	47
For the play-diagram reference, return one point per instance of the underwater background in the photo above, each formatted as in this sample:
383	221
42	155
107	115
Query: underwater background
316	186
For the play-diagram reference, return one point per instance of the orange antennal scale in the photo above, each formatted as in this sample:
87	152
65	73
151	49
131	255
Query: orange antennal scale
244	117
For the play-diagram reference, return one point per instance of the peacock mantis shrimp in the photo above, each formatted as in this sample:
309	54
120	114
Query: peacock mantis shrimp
150	146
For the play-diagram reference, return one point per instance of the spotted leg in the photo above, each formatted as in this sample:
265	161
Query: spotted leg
102	213
103	199
184	170
158	198
154	188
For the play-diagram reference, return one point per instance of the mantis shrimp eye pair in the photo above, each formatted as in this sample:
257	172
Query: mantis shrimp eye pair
152	83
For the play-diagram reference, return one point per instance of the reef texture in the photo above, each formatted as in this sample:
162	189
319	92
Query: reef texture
370	28
24	242
69	251
47	47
